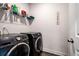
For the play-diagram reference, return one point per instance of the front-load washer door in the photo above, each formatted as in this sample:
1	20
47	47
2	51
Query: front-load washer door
21	49
5	50
38	44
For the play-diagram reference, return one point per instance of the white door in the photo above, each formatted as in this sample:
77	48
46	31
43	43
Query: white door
77	29
74	29
72	14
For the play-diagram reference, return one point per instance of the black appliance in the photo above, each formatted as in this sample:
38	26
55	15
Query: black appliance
14	45
35	43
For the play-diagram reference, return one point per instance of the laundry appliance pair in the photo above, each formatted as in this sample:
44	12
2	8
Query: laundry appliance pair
23	44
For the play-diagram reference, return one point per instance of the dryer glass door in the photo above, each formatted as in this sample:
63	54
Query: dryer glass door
38	44
21	49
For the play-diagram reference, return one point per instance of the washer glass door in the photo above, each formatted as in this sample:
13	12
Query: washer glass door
5	50
21	49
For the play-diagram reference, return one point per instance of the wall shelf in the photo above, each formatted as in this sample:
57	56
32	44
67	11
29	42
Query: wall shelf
7	17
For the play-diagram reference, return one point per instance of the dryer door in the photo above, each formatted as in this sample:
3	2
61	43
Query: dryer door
21	49
38	44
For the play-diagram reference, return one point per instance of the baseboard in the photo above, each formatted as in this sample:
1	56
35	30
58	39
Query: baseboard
54	52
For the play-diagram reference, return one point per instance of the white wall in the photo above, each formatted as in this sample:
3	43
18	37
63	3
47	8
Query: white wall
16	28
54	36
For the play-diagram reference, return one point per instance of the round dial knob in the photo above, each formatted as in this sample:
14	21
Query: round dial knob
18	38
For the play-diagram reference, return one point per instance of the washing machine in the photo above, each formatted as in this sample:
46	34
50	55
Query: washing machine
35	43
14	45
